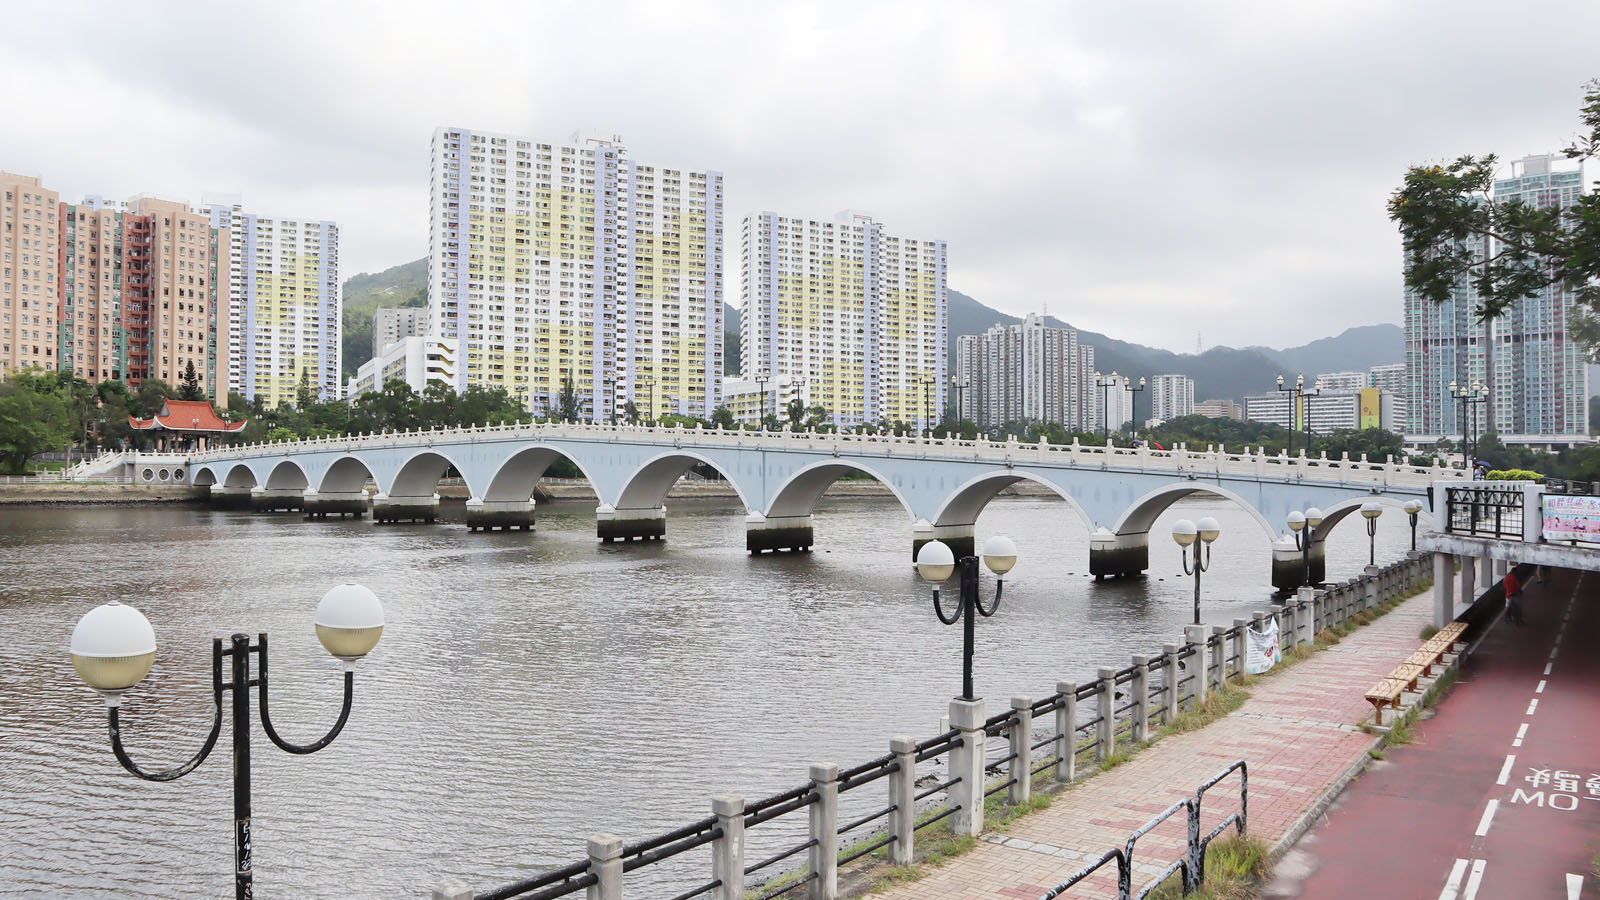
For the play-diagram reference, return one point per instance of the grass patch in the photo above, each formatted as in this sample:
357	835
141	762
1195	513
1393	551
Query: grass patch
1235	869
1400	731
1218	704
1375	753
1427	631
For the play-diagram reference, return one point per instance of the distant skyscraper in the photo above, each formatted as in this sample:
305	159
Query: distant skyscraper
1219	409
1391	378
284	305
856	312
28	288
1540	383
1342	381
551	262
1012	373
1171	396
393	324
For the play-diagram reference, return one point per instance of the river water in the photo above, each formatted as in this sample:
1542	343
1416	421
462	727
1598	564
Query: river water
530	689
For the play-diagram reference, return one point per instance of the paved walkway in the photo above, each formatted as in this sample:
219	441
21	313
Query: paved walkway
1297	732
1499	795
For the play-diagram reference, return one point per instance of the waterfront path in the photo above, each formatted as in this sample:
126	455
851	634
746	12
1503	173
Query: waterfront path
1505	777
1299	733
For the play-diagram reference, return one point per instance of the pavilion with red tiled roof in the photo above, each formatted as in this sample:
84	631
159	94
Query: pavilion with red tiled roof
192	419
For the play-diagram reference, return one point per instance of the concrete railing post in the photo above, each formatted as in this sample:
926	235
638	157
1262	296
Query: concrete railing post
1067	733
1218	667
824	853
1169	677
1194	637
1021	776
727	852
966	764
902	796
605	864
452	889
1239	625
1140	688
1105	700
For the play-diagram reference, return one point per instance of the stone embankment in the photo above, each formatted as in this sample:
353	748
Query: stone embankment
72	493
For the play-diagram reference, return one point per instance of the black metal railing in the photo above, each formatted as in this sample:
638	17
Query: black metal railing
1484	511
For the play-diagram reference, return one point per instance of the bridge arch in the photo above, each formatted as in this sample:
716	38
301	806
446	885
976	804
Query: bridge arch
239	477
798	495
519	473
204	476
347	475
647	486
1142	514
419	475
969	500
1338	512
287	475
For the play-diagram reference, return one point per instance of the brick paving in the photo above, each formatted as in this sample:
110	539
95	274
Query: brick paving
1297	732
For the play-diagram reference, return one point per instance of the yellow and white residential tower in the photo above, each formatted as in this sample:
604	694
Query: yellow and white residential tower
552	261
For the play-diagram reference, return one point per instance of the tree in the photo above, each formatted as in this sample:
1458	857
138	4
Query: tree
152	393
33	419
630	411
795	410
189	384
569	399
305	395
722	417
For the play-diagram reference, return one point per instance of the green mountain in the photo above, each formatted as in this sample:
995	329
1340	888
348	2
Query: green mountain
402	285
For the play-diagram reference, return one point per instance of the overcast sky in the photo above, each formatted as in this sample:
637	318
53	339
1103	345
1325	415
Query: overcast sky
1147	170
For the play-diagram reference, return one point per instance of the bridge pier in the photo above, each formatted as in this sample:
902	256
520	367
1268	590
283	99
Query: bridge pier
959	538
322	504
1289	565
277	499
487	515
387	510
223	497
612	524
1118	555
777	533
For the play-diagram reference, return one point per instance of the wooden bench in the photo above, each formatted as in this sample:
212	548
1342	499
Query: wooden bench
1404	677
1429	656
1385	693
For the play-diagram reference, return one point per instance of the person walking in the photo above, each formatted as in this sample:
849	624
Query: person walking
1513	598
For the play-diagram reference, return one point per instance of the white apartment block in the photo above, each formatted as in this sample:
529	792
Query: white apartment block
550	261
284	304
1028	371
393	324
751	401
1171	397
855	311
1328	411
1343	381
415	359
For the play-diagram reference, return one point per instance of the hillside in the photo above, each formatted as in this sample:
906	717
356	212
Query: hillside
402	285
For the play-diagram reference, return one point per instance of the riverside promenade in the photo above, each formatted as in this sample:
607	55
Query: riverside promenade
1298	732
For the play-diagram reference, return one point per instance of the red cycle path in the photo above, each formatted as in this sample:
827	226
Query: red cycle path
1449	815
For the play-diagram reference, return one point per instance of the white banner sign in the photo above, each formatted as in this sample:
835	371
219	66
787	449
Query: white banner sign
1261	650
1571	518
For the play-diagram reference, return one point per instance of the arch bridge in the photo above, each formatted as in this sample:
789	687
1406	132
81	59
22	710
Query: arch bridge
942	484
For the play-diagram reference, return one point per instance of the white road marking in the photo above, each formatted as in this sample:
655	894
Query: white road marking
1521	733
1574	886
1532	705
1505	770
1553	652
1452	884
1540	688
1547	668
1473	880
1488	816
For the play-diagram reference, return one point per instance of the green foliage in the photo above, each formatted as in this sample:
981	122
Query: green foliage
401	286
1513	475
34	418
1236	867
189	384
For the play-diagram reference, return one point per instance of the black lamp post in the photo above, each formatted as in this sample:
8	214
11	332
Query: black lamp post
936	563
1299	404
1468	396
1305	525
1370	511
1132	401
762	378
1413	507
113	647
928	381
959	386
1199	536
1105	383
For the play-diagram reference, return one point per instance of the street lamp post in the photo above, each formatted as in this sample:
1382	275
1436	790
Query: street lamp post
936	563
928	381
1132	401
113	647
1198	535
959	385
1370	511
1297	402
1468	395
1305	525
1412	507
1105	383
762	377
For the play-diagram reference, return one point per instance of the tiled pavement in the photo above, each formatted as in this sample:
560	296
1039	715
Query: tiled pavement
1297	733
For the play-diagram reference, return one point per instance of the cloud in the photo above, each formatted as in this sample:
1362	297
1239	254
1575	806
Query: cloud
1147	170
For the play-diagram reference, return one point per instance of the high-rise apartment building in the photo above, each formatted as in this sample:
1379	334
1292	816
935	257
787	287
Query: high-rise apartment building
1342	381
855	311
550	262
1011	373
284	305
29	268
1391	378
390	325
174	301
1328	411
1539	381
1219	409
1171	396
